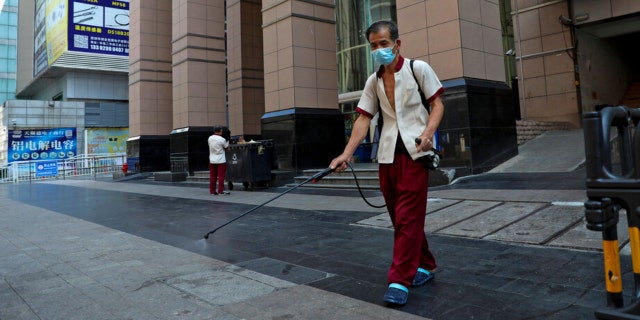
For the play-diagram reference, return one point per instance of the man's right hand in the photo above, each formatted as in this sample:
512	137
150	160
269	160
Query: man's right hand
339	164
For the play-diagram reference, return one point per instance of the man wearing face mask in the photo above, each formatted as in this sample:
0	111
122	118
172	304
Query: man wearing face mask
393	93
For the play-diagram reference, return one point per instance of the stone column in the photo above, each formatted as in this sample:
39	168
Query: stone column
199	78
300	77
462	41
245	67
150	99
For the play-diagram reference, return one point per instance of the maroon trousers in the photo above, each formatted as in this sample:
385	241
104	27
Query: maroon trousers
217	174
404	188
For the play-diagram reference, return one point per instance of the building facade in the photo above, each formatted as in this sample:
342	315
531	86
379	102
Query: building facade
8	64
574	56
71	77
8	51
292	71
270	69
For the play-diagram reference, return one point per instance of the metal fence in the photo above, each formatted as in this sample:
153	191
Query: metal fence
179	163
86	165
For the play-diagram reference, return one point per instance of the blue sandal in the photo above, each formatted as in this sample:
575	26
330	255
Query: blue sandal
397	294
421	277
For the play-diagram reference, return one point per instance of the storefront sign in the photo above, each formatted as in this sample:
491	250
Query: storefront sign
42	144
46	169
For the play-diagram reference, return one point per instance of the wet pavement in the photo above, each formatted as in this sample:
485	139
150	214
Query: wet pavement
508	245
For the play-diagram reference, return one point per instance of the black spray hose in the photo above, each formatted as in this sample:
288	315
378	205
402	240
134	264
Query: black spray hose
360	190
315	178
417	140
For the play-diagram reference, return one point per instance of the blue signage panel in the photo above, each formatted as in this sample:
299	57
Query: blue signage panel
42	144
46	168
99	26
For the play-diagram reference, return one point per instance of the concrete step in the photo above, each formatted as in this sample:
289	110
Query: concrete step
360	172
366	173
367	178
336	186
198	178
529	129
363	181
278	178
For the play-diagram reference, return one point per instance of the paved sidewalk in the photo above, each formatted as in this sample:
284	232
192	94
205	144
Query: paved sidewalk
477	213
510	245
53	266
134	250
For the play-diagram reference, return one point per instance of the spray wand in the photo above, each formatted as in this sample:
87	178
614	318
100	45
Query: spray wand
315	178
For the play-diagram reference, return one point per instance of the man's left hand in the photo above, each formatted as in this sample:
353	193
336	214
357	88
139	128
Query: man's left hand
425	144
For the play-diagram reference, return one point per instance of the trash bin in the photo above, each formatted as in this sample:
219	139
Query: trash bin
250	163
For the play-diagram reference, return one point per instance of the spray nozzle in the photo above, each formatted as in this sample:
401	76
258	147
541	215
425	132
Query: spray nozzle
318	176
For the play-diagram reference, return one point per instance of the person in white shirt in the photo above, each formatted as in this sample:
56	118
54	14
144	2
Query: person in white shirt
392	92
217	161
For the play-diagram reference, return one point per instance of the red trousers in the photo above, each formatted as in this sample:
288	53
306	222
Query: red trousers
404	186
217	173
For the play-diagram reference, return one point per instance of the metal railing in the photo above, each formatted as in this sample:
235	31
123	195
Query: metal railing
179	163
4	174
84	165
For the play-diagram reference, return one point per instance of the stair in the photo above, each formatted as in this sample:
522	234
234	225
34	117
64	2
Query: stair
529	129
367	178
203	177
367	174
199	176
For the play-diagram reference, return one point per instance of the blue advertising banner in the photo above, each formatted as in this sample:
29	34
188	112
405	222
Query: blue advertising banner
46	168
42	144
99	26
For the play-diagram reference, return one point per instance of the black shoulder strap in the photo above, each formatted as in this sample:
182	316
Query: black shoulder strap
425	102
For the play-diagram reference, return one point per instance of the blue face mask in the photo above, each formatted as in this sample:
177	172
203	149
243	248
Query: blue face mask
384	56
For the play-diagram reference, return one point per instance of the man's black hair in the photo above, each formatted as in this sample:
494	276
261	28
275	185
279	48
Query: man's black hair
384	24
217	128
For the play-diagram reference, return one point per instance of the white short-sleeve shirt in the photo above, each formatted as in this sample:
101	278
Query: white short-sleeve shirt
216	149
410	117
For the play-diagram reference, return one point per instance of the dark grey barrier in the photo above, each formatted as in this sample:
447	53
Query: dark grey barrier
610	189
